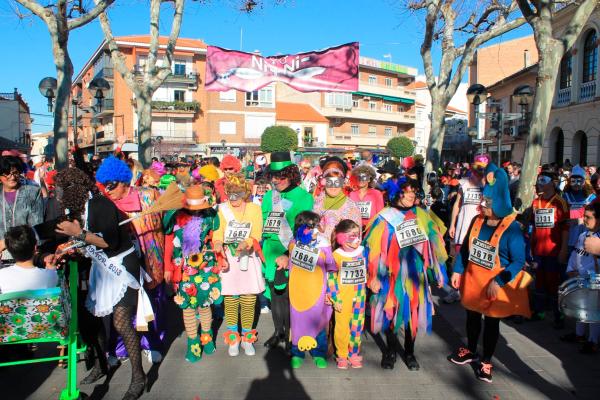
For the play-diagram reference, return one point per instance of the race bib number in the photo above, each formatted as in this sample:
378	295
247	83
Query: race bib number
473	196
482	253
353	272
273	222
544	217
365	209
409	233
237	231
305	257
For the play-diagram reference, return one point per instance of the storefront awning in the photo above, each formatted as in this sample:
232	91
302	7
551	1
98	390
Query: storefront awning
392	99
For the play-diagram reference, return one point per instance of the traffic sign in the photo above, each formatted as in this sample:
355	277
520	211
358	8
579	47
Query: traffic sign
482	141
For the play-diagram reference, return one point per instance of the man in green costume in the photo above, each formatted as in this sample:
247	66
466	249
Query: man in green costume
279	209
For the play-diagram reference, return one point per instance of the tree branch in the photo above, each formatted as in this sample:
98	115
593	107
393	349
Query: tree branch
100	7
580	17
36	8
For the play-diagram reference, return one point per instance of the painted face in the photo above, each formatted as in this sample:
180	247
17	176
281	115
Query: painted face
543	183
348	240
116	190
576	182
280	183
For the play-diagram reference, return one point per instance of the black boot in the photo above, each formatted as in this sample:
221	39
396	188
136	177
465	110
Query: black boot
388	359
95	375
274	340
411	362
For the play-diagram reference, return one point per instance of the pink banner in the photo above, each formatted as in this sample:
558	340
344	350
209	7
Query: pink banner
331	70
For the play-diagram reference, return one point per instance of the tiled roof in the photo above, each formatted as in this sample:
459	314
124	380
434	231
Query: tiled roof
297	112
163	40
455	110
416	85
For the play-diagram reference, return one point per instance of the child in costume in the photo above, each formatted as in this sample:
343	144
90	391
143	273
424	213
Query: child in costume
312	289
240	229
193	267
405	252
489	272
581	263
350	259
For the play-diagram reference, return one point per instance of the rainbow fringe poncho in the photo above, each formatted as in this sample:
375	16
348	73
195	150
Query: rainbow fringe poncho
403	275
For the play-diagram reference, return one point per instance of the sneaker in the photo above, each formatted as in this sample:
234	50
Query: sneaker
462	356
356	361
589	348
484	372
297	362
342	363
265	310
572	337
248	348
234	349
411	362
452	297
320	362
153	356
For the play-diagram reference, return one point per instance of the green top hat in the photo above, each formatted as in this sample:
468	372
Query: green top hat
280	160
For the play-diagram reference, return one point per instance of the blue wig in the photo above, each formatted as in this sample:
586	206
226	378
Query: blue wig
113	170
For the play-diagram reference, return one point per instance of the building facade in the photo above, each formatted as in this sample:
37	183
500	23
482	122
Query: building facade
15	119
573	131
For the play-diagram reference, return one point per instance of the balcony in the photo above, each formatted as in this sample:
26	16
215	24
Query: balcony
189	77
359	113
175	136
563	97
348	139
398	91
108	107
587	91
176	108
106	73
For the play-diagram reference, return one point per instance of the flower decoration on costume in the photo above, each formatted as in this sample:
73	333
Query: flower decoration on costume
178	299
231	337
190	270
190	289
205	338
5	330
250	336
204	286
197	279
43	308
215	293
17	320
195	260
5	310
196	350
306	343
53	316
212	279
185	277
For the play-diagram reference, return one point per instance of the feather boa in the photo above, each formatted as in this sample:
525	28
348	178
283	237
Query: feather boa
192	232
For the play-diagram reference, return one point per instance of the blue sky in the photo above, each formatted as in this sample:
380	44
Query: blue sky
381	27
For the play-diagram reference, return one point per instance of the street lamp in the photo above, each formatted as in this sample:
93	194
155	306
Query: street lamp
523	95
223	143
98	86
476	94
47	87
95	124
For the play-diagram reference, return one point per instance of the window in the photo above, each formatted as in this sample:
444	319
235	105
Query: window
372	80
372	130
260	98
400	109
179	95
420	115
227	127
331	131
590	57
354	103
308	137
339	100
388	131
179	68
355	129
388	82
566	71
229	96
372	106
387	108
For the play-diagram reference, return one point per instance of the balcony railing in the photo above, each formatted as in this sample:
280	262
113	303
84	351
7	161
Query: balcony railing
106	72
108	106
587	91
172	136
564	97
373	115
186	76
396	91
163	105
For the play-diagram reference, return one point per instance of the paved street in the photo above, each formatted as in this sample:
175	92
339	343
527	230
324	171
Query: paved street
531	363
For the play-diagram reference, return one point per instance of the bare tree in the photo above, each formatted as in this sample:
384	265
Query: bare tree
61	17
154	73
460	27
551	47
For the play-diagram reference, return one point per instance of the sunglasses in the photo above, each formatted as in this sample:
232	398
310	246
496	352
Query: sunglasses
364	178
234	196
110	186
577	181
16	174
229	169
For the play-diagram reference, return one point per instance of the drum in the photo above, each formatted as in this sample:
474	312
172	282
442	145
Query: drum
579	298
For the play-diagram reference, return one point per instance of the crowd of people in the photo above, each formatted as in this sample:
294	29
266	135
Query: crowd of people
329	246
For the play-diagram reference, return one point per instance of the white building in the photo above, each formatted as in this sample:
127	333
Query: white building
15	119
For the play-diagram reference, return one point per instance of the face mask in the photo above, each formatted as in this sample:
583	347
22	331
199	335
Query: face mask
577	181
234	196
346	238
334	182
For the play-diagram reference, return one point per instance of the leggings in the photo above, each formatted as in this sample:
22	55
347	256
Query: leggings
232	310
491	333
280	308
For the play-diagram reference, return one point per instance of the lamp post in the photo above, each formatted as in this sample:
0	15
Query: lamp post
47	88
95	124
98	86
476	95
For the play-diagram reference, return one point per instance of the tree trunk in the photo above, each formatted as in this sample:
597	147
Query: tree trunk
550	53
436	136
144	114
64	76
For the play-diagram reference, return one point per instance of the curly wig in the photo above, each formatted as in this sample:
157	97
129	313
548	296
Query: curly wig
113	170
290	172
230	161
237	183
363	170
76	186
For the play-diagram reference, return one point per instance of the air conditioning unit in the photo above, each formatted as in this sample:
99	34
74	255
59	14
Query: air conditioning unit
514	131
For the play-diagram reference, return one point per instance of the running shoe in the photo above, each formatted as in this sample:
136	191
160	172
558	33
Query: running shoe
463	356
265	310
484	372
342	363
452	297
248	348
